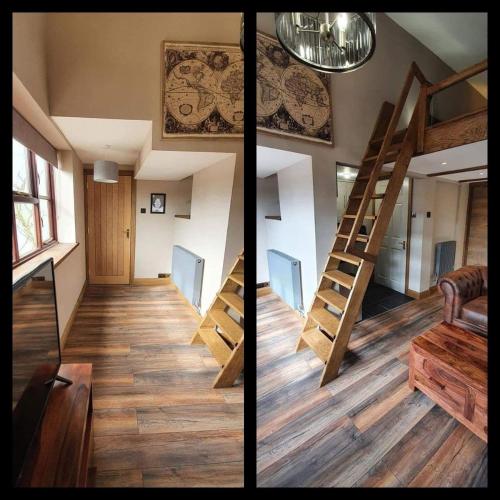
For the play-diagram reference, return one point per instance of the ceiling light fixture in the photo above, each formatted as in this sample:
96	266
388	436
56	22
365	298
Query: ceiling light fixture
106	171
332	42
444	163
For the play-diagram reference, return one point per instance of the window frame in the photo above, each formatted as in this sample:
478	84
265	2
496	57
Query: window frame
33	197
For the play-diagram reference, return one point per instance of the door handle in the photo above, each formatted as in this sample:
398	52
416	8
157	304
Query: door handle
127	232
403	244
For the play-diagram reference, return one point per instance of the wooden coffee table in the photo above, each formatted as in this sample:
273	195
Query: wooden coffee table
449	365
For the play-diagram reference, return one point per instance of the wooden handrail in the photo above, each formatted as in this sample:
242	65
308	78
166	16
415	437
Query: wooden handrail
458	77
418	73
414	72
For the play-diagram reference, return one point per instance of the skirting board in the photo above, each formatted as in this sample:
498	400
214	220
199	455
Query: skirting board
196	314
421	295
263	285
71	319
151	281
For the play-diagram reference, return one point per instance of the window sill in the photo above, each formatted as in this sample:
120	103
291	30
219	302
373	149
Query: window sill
58	252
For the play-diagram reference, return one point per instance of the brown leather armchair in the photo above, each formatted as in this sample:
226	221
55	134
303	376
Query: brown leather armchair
466	300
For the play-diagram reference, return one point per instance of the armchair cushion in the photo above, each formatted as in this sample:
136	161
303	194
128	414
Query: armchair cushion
466	303
476	312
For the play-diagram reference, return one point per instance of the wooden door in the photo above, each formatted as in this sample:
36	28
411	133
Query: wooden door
477	226
109	214
390	269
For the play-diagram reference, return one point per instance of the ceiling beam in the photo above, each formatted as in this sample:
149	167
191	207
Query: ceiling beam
449	172
475	180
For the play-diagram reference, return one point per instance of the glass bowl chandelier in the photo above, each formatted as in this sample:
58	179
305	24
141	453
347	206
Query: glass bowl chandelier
332	42
242	32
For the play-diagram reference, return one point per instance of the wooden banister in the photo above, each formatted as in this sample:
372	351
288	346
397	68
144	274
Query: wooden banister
414	72
458	77
418	73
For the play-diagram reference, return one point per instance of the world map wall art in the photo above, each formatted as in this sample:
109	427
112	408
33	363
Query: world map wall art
202	90
292	99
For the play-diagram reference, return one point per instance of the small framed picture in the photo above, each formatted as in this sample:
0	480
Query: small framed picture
158	203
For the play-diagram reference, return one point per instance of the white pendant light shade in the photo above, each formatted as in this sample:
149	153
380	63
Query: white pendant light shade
105	171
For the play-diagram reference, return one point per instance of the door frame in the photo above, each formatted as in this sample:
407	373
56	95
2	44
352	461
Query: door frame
90	171
472	185
408	226
408	235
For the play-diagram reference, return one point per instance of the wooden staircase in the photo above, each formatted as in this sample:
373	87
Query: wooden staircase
221	332
339	296
340	293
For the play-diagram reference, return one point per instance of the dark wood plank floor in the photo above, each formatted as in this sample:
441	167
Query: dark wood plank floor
157	420
366	428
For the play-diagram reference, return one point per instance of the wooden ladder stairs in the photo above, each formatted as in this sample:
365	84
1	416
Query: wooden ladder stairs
221	332
339	296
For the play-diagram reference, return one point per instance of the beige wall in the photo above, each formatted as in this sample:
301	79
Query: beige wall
236	224
70	274
450	213
267	204
154	233
121	54
205	234
447	203
29	61
356	98
294	234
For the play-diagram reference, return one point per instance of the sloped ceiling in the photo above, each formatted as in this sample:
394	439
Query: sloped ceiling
460	39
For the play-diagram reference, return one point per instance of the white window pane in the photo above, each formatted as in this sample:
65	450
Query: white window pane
44	215
43	181
20	176
25	227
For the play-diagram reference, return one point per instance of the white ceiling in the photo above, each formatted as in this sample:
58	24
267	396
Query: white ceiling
458	38
89	136
177	165
270	160
469	155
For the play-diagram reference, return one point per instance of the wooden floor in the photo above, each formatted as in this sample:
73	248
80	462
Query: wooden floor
366	428
157	420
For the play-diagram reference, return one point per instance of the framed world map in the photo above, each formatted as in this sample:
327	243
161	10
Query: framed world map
202	90
292	99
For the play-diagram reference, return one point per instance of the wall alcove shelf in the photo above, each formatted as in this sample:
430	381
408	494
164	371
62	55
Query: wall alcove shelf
181	216
273	217
61	449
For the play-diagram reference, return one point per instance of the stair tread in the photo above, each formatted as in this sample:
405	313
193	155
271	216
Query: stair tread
339	277
390	156
398	135
234	301
360	237
318	342
377	196
238	278
353	216
231	330
383	176
220	350
346	257
332	298
327	320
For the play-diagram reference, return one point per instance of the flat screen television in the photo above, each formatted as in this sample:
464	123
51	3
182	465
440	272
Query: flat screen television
36	356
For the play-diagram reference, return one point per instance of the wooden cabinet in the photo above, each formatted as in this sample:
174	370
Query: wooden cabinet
61	450
449	365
